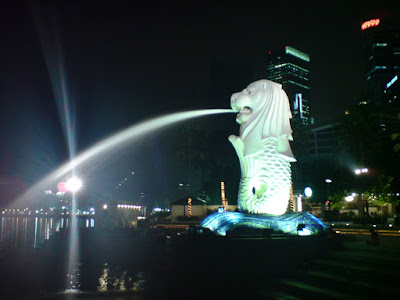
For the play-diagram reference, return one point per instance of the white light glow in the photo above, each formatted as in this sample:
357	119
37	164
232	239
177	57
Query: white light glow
359	171
73	184
349	198
304	232
299	204
308	192
138	207
105	206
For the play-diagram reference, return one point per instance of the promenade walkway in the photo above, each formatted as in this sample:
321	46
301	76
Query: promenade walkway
358	271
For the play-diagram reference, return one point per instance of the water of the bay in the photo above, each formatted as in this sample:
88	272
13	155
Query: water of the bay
27	233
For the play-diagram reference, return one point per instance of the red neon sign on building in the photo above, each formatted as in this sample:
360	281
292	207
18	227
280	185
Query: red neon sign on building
370	23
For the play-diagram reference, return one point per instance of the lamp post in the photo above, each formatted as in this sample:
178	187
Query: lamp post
364	203
328	182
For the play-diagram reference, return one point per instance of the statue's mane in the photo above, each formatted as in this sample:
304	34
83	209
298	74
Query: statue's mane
271	118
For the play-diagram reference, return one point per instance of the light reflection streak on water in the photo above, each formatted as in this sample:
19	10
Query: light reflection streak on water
58	224
47	229
36	224
25	228
2	231
73	253
29	233
40	232
16	232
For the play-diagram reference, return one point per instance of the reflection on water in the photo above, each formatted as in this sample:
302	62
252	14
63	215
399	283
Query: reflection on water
117	280
31	232
74	281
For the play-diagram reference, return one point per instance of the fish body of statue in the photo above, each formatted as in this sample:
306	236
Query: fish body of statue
263	147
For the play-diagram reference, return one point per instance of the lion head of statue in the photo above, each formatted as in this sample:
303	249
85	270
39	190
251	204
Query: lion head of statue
263	111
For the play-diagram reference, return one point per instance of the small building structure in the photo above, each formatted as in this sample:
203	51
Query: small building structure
195	210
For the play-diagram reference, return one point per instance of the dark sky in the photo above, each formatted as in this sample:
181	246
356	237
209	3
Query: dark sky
126	61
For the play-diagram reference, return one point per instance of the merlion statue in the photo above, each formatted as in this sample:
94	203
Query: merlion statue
263	147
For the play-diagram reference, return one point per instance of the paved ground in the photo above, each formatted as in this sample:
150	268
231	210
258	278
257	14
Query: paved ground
358	271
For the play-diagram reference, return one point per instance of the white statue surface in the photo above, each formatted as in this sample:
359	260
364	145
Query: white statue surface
263	147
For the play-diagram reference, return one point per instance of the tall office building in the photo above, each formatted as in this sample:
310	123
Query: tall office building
290	67
382	60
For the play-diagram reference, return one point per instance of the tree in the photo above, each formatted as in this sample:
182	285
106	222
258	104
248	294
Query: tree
381	192
361	134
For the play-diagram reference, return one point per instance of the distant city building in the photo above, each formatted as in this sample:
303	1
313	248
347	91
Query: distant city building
291	68
382	59
325	141
322	145
145	199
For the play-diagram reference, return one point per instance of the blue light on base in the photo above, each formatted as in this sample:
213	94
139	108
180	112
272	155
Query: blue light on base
288	223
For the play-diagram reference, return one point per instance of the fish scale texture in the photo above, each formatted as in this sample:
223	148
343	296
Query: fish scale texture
265	168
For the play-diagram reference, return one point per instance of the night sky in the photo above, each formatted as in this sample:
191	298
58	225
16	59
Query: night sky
126	61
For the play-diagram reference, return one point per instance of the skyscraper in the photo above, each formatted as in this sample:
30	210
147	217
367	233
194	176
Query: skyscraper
290	67
382	60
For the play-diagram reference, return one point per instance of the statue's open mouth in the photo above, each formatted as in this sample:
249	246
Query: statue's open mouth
245	110
243	115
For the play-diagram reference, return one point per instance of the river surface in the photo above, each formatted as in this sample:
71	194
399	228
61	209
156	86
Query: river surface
27	233
34	251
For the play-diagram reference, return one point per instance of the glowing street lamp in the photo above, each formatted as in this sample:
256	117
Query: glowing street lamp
328	181
73	184
308	192
359	171
364	203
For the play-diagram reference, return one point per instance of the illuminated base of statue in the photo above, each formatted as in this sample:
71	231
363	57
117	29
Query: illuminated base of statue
300	223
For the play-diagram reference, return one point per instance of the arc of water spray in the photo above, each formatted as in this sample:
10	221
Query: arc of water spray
119	139
55	66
